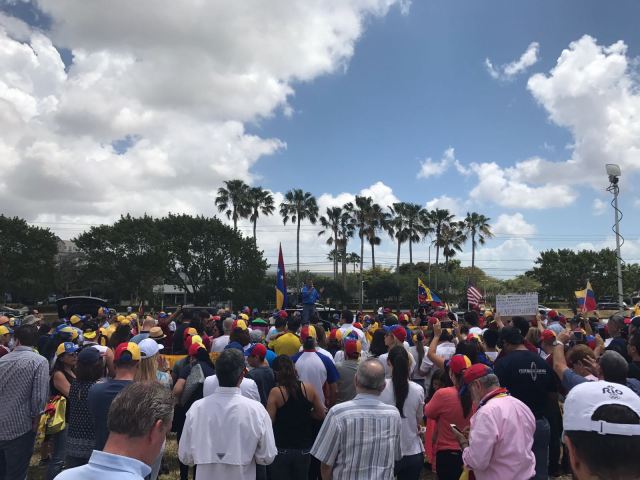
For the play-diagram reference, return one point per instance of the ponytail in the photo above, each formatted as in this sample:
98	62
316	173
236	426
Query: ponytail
419	347
399	359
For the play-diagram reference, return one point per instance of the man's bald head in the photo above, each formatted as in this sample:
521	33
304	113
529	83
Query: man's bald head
370	376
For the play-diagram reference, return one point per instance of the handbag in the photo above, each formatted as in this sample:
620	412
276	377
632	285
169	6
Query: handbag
55	413
194	380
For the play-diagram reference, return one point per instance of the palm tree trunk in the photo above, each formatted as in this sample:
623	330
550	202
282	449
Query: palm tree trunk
373	256
361	262
335	255
437	244
410	251
398	259
298	254
255	241
344	264
235	220
473	252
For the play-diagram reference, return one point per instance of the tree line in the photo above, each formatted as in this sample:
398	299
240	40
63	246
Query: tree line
404	222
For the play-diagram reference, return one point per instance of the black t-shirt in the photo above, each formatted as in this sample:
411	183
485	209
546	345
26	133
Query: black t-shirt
618	344
528	378
99	400
265	380
178	339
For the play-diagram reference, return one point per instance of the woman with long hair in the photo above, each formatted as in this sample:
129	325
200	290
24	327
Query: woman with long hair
292	406
418	353
148	370
450	406
80	430
62	374
377	346
408	398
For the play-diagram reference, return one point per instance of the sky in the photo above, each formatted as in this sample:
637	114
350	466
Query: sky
510	109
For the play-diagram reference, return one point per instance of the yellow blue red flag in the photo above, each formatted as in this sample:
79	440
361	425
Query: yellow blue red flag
425	295
586	299
281	283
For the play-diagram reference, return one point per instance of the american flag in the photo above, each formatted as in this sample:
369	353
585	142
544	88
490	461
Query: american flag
474	297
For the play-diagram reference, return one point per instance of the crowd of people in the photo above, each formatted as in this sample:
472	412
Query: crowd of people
277	396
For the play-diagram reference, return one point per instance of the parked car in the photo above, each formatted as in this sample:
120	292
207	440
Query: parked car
611	306
79	306
544	310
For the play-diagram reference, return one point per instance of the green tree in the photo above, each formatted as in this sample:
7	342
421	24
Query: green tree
397	228
126	259
439	218
377	220
211	261
26	260
259	201
331	223
297	206
359	217
477	227
452	239
232	200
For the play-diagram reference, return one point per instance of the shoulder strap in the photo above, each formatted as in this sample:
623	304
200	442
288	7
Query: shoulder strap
283	399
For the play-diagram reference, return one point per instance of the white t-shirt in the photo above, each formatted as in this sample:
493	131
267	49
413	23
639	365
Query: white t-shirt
387	370
410	442
219	343
316	369
444	349
248	387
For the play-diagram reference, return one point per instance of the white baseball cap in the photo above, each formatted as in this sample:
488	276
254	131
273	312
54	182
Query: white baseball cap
587	397
149	347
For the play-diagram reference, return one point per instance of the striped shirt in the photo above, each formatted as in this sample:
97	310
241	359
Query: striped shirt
24	391
360	439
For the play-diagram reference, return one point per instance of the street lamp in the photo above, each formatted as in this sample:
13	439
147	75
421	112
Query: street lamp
613	171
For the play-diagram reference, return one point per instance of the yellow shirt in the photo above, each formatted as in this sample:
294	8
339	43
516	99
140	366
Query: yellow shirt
286	344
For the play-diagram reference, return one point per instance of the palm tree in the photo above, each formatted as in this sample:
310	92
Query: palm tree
397	228
331	223
359	216
259	201
439	217
377	219
345	232
477	225
452	238
233	200
298	205
354	259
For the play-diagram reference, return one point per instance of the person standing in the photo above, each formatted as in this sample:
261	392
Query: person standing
139	419
408	398
450	406
62	374
531	380
347	370
309	296
260	372
5	337
24	391
127	360
80	434
293	406
347	327
360	439
501	436
247	435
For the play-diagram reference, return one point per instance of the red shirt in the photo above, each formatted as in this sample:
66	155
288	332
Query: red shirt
445	408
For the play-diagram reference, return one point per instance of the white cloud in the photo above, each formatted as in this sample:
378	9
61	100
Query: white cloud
181	83
630	249
504	260
599	207
510	70
514	225
503	187
432	168
454	205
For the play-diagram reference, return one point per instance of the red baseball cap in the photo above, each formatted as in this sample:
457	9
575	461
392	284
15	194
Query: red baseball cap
352	348
548	335
127	351
475	372
283	314
397	331
459	363
258	350
193	349
552	314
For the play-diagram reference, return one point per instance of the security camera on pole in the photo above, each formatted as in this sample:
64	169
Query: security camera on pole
613	171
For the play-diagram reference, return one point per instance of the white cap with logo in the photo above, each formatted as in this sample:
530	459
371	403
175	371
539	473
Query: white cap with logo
584	399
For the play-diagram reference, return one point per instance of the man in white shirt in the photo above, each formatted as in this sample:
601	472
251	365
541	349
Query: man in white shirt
226	434
347	327
446	348
219	343
248	387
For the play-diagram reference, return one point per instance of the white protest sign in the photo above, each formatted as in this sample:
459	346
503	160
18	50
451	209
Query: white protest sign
517	304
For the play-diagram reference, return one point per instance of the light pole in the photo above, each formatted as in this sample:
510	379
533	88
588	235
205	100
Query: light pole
613	171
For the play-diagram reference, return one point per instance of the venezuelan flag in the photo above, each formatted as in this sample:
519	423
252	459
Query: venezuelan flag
281	283
426	295
586	299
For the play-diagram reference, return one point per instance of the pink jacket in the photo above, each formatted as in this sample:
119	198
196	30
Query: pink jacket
500	441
